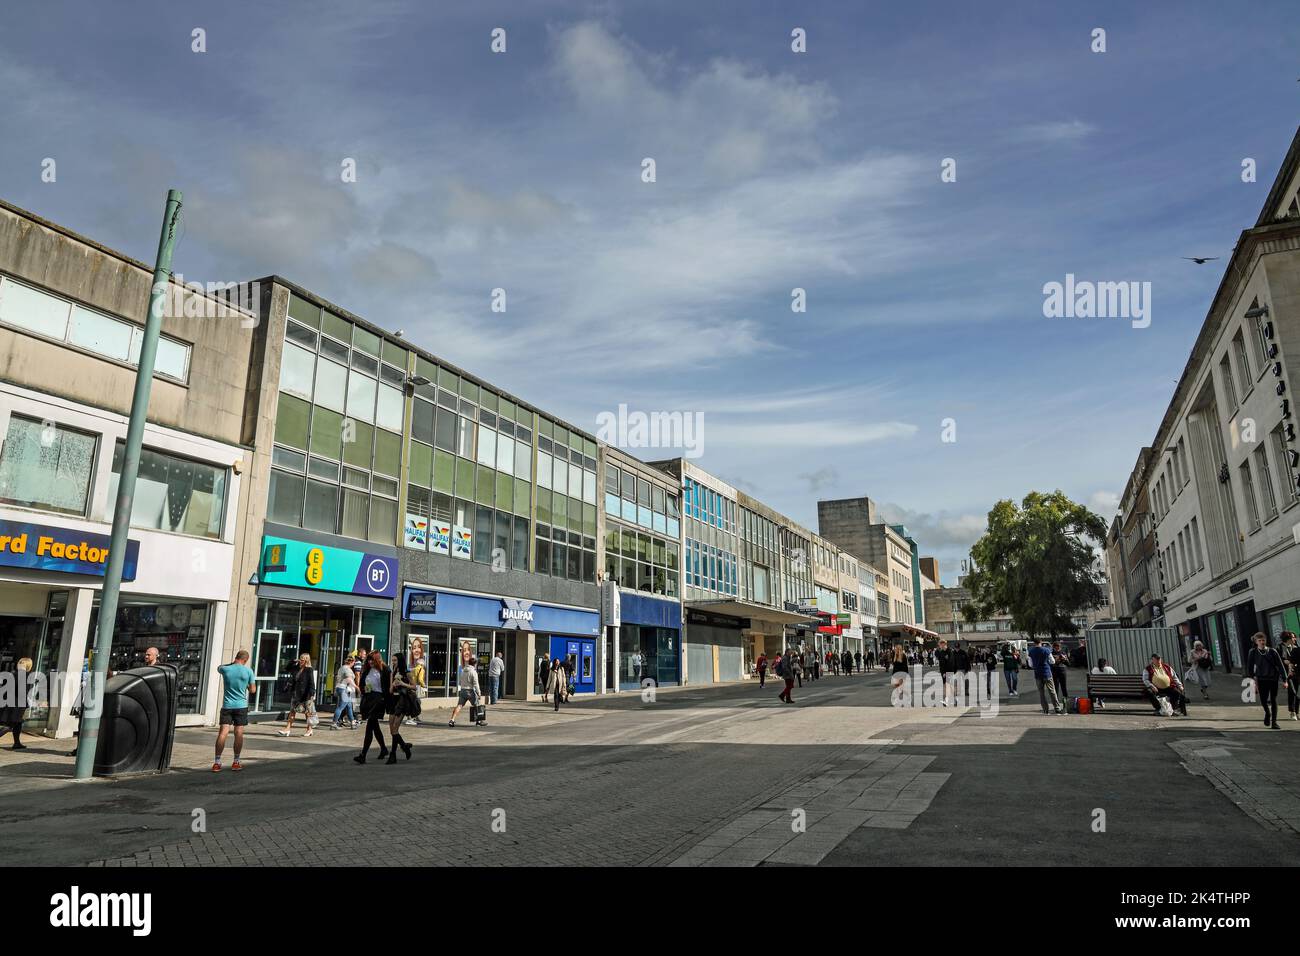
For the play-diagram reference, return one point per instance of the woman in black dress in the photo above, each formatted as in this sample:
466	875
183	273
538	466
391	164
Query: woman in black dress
375	691
11	718
404	704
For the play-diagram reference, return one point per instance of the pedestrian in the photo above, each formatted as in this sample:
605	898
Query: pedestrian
237	681
1290	653
947	668
797	665
900	666
151	656
556	682
304	697
1199	672
990	671
496	674
848	664
1040	657
345	692
1266	667
963	666
1161	682
761	666
1011	670
376	688
857	659
1102	667
544	675
785	669
404	704
467	684
1059	663
11	716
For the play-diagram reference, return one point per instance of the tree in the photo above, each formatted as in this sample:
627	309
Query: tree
1036	562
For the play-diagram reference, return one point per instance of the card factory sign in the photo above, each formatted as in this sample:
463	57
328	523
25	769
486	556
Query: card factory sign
48	548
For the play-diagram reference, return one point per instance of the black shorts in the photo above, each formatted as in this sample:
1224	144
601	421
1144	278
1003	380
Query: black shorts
236	716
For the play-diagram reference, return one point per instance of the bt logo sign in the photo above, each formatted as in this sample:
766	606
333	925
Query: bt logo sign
377	575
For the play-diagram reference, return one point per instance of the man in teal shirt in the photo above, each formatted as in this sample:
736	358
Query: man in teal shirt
238	679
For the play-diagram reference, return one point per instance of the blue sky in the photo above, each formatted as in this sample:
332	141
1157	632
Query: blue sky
775	170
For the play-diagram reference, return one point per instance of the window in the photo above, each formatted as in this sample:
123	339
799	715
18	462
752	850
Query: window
1243	362
33	310
1248	490
361	397
173	494
1229	387
1194	533
1282	459
1265	483
46	466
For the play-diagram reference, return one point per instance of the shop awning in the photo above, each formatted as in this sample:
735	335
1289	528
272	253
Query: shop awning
911	631
755	612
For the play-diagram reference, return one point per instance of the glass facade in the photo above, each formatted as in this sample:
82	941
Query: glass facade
180	630
47	466
648	652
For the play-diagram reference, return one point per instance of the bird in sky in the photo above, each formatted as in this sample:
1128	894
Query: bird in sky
1201	260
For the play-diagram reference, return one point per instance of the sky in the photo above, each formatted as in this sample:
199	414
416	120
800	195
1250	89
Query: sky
922	371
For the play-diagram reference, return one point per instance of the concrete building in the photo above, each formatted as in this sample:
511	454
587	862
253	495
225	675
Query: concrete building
641	527
930	571
1139	556
404	505
1224	472
71	324
854	525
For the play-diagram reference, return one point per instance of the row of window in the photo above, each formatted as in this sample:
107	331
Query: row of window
1262	498
50	467
710	568
637	501
33	310
641	562
704	504
1176	476
1183	557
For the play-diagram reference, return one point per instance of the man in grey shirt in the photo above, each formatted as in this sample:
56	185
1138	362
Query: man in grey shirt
496	674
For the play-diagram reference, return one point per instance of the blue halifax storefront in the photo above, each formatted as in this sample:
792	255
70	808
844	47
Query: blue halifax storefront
445	619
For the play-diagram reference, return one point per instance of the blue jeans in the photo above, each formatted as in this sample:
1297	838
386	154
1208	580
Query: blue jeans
345	703
494	684
1013	681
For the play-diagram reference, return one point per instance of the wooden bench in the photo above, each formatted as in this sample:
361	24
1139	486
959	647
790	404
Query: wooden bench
1107	686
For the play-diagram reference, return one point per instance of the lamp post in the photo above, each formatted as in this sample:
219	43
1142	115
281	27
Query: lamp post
89	738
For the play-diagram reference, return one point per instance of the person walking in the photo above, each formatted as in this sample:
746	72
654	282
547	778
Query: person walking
544	675
761	666
796	665
376	688
1011	670
345	692
1040	658
496	674
1266	668
785	669
946	669
556	682
1290	654
304	697
404	704
857	660
963	667
848	664
1199	672
237	687
467	683
12	715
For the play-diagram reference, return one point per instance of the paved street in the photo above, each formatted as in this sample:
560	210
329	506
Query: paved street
711	776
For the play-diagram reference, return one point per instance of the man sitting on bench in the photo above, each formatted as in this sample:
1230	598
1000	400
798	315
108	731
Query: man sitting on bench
1161	681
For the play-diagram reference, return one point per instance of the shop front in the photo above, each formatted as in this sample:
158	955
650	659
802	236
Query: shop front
649	641
437	622
320	596
51	576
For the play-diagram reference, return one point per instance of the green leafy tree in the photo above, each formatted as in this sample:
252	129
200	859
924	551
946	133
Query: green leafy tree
1036	562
